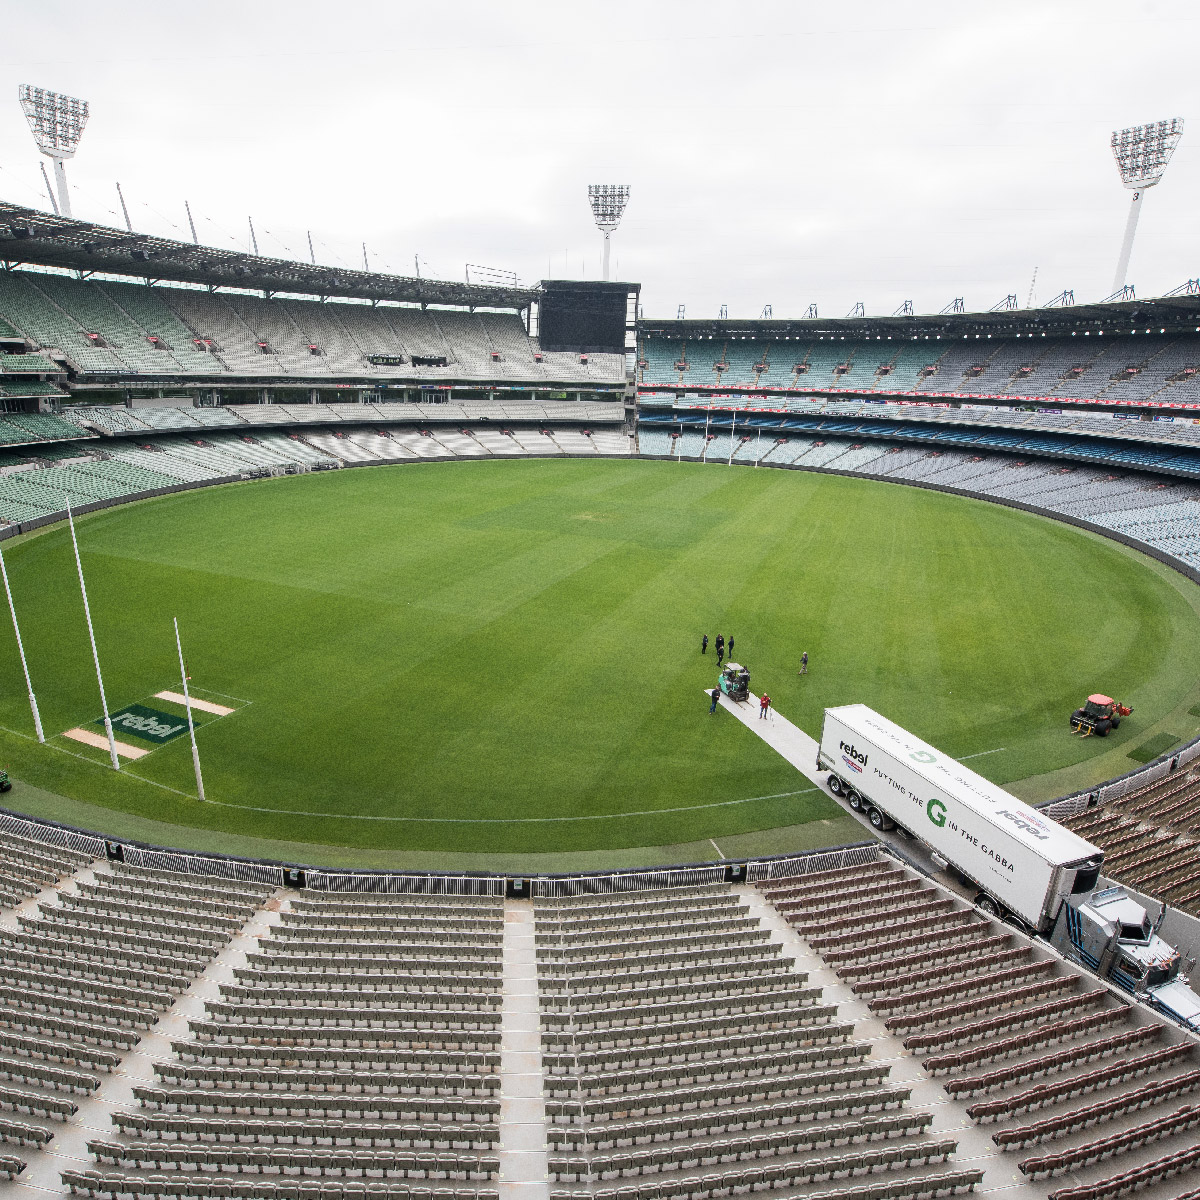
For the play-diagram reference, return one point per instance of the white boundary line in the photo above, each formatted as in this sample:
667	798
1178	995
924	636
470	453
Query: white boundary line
291	812
648	812
93	763
982	753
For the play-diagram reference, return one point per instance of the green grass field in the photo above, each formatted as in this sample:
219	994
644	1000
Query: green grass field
472	658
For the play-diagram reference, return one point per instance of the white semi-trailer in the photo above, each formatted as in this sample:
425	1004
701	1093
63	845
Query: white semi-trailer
1023	864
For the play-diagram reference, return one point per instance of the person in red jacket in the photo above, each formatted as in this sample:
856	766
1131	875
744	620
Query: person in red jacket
763	704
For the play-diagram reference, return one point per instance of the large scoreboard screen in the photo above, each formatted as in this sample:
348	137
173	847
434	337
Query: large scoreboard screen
582	317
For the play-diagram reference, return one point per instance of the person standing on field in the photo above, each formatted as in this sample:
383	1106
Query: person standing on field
720	644
731	649
716	695
704	644
763	704
803	664
720	652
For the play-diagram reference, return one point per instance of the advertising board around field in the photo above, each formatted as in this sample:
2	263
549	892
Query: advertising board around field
1008	848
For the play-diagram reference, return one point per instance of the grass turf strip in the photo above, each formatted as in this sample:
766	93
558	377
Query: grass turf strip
478	642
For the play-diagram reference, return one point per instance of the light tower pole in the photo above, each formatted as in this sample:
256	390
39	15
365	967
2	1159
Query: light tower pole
1142	153
608	202
57	123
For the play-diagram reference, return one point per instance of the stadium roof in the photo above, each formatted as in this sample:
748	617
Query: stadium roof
1171	314
29	236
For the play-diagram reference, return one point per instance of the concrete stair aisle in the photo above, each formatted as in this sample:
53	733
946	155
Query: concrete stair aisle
68	1150
524	1173
976	1150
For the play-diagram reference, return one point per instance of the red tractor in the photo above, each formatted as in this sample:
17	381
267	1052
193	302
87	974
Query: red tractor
1098	715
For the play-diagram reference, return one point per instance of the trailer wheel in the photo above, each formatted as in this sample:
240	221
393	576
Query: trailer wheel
836	786
877	819
986	904
855	801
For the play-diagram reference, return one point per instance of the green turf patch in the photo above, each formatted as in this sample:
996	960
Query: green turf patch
1194	710
504	657
1150	749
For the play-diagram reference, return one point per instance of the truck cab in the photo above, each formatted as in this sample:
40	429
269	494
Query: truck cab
1113	934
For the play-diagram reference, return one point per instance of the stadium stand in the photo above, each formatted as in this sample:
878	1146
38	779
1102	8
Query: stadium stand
200	1035
1151	838
681	1049
115	329
147	450
1132	368
360	1042
1031	1042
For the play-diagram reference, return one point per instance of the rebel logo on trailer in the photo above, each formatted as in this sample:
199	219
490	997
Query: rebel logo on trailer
852	758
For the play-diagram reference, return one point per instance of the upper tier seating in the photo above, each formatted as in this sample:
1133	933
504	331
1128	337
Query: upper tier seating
1123	368
131	329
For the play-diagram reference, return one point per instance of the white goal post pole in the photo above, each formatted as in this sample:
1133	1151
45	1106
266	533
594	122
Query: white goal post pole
187	700
33	708
732	437
87	612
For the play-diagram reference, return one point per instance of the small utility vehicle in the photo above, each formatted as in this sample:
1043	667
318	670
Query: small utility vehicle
735	681
1098	715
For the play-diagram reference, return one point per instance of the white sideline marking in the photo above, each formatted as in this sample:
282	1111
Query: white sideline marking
203	705
88	738
717	848
982	753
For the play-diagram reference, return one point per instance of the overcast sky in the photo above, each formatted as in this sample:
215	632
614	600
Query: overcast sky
778	153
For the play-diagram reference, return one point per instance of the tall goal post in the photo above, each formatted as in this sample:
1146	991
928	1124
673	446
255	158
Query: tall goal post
87	612
33	706
187	701
1142	153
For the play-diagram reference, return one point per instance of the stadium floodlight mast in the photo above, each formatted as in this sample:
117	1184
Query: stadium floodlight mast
1142	153
608	202
57	123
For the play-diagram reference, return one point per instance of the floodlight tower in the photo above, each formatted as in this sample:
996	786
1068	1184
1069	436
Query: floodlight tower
1142	153
608	202
57	123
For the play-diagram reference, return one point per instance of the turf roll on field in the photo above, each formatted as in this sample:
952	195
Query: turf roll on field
505	656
